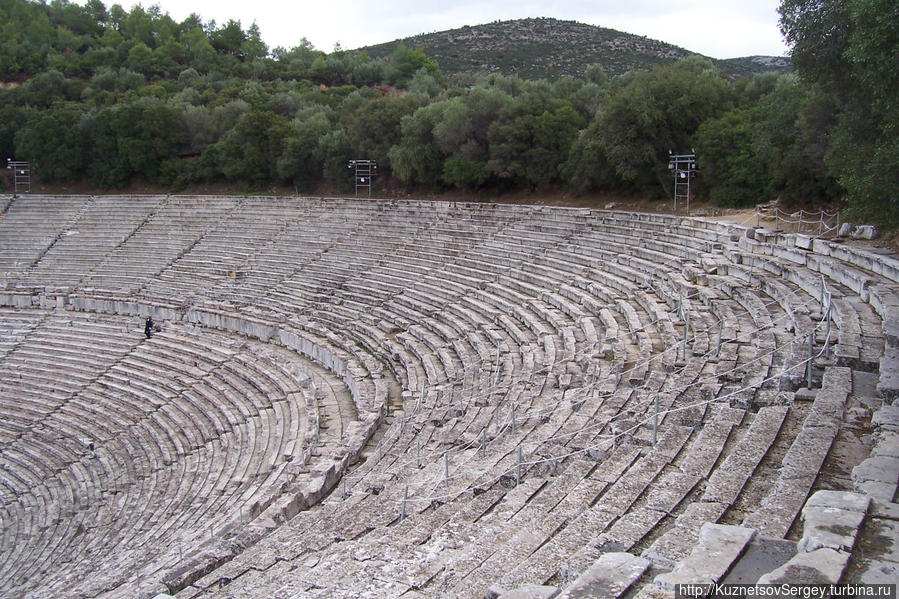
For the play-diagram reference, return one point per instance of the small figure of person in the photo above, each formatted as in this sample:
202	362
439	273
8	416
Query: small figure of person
148	327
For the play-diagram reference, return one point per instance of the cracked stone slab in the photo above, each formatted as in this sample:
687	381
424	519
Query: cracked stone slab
719	546
877	490
886	417
677	542
609	577
822	566
884	509
829	527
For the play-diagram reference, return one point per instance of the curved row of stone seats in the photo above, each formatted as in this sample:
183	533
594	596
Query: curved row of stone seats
362	298
32	388
170	231
748	328
27	232
164	403
225	249
102	224
623	411
493	496
811	443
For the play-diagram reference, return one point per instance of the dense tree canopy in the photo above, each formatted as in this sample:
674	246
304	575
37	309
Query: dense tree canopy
849	49
109	95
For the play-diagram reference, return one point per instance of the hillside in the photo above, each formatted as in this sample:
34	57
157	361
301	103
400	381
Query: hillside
549	48
99	99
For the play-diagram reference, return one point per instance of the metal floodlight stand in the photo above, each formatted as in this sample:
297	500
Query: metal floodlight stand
365	171
683	166
21	175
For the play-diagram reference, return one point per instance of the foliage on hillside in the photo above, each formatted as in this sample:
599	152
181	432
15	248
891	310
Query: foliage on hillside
847	50
109	96
549	48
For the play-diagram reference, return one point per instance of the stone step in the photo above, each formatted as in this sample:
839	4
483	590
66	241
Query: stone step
804	459
728	480
610	577
719	547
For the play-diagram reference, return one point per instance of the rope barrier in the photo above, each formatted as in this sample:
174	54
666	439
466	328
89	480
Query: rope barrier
494	360
612	438
820	219
606	439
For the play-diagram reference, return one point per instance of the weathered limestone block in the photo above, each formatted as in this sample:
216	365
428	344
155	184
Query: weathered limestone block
888	386
609	577
886	417
530	591
822	566
843	500
865	232
832	520
887	444
877	468
720	545
877	476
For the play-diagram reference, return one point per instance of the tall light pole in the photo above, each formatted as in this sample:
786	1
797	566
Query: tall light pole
365	171
21	175
683	166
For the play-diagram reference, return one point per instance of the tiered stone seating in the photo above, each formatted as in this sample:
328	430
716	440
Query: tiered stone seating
574	398
103	223
28	233
171	230
196	430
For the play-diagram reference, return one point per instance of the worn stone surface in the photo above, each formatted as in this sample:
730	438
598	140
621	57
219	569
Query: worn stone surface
530	591
865	232
843	500
884	509
879	572
885	536
877	490
888	386
535	292
876	553
652	591
886	417
761	557
677	543
822	566
609	577
884	469
829	527
805	394
887	444
719	547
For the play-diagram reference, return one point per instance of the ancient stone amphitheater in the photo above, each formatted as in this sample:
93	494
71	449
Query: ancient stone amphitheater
350	398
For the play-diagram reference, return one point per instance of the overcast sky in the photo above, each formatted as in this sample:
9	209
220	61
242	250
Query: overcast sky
715	28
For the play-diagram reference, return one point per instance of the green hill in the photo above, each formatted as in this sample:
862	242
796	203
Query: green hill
550	48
